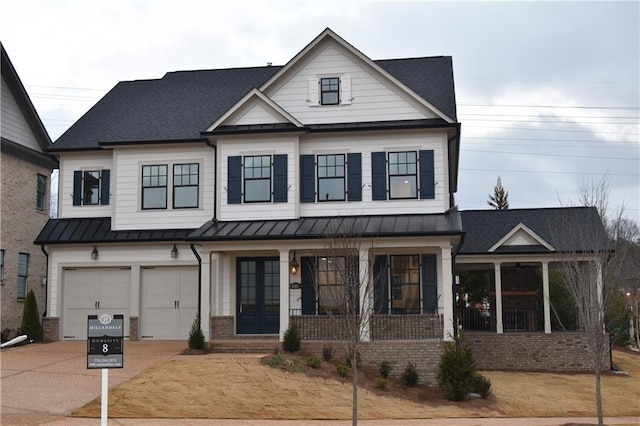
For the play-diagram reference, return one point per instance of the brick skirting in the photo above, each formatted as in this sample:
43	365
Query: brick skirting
50	329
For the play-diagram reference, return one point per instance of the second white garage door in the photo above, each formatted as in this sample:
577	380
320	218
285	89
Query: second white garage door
169	302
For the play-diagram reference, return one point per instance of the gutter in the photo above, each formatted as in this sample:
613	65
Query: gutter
454	254
195	252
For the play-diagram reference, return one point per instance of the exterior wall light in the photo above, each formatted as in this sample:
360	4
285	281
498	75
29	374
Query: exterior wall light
293	265
94	253
174	252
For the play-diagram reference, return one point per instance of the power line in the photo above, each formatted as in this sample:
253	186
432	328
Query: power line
553	155
546	106
548	172
547	116
551	130
549	121
548	140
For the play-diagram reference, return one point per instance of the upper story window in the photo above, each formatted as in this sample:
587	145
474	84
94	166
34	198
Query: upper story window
41	193
257	178
330	91
331	177
154	187
185	185
339	177
91	187
403	175
23	270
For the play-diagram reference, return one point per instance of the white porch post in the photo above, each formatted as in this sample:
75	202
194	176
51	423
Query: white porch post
447	294
284	292
545	297
205	296
498	281
365	281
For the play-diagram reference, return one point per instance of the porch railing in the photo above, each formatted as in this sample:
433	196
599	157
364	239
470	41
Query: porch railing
382	327
513	320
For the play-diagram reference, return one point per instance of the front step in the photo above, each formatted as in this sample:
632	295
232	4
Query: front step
268	346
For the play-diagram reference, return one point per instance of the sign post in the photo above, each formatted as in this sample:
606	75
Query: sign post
105	334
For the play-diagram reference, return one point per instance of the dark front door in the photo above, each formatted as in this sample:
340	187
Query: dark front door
258	296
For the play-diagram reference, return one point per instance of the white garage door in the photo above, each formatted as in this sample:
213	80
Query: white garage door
169	301
93	291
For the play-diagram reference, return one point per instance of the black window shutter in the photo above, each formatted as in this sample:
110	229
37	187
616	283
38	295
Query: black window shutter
280	178
378	175
429	283
105	176
77	187
427	175
380	287
354	176
308	286
307	179
234	180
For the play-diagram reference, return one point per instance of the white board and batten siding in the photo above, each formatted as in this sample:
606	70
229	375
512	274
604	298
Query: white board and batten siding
129	215
374	142
249	146
72	161
14	125
372	98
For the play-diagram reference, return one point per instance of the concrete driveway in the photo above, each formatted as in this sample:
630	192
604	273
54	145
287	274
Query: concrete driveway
43	383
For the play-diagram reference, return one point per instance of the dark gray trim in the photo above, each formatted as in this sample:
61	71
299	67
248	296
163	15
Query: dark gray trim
28	154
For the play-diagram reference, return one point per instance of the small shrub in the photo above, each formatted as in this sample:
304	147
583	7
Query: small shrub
291	341
291	363
343	370
196	337
384	369
31	318
349	359
381	383
314	361
296	369
275	361
457	370
482	386
327	352
410	376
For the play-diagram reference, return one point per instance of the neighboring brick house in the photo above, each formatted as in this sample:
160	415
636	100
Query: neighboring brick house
210	193
26	173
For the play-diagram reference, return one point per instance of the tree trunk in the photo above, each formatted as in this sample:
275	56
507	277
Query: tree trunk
354	360
599	397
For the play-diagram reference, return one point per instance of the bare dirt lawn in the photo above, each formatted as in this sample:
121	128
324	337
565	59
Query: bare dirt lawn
241	386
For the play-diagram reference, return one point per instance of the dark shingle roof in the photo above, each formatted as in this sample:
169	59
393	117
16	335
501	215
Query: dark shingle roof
484	228
182	104
98	230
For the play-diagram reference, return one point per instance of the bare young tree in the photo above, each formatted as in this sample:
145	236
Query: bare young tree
344	284
591	253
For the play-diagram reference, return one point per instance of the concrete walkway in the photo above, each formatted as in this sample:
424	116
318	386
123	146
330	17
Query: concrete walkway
43	384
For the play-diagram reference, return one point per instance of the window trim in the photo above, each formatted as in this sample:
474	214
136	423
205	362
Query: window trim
415	175
41	192
22	279
165	186
174	186
344	177
329	91
254	179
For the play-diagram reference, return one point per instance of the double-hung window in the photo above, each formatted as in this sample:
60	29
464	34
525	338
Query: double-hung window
91	187
154	187
257	178
185	186
405	284
403	177
331	177
23	269
41	192
331	272
330	91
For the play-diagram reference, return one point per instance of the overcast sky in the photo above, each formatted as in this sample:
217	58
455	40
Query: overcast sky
548	94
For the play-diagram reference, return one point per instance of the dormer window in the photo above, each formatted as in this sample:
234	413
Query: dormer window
330	91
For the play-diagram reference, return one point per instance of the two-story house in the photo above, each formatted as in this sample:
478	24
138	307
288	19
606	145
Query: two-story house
26	173
212	193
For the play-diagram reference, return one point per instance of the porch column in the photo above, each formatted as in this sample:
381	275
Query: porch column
447	294
365	281
205	296
498	281
284	292
545	297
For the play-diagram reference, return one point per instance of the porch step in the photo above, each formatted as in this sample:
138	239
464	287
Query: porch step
246	346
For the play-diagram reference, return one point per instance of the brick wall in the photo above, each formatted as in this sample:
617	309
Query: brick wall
51	329
531	351
21	224
222	328
133	328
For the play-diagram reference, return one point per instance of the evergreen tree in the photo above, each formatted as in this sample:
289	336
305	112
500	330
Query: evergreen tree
499	199
31	319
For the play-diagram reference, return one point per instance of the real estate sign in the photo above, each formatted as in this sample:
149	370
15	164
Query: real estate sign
105	334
